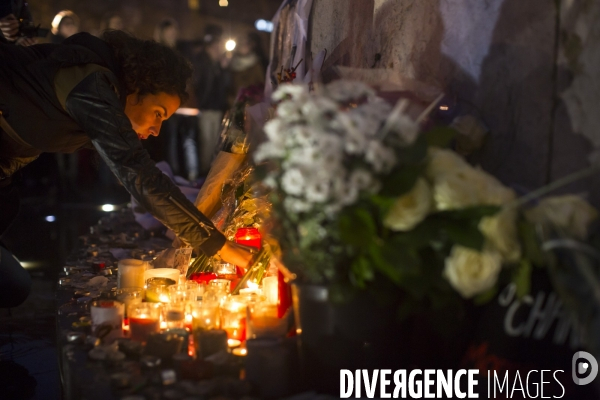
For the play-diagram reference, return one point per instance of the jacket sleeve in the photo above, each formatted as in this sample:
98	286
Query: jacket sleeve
94	104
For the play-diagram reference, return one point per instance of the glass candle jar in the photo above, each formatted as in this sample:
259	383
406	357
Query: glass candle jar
169	273
249	237
157	289
144	319
233	318
131	273
107	315
129	296
175	314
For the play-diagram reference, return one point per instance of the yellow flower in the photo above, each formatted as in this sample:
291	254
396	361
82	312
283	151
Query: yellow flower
411	208
569	213
501	232
471	272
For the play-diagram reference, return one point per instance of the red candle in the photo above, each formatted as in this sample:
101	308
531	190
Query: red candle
249	237
141	328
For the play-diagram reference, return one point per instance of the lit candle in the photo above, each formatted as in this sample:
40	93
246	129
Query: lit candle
157	289
144	319
249	237
271	289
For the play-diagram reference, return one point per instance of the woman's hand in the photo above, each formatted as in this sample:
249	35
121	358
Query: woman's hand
239	255
9	26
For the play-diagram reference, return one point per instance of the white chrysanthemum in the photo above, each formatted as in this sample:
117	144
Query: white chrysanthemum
296	92
293	181
289	111
471	272
500	231
354	142
381	158
318	192
361	178
569	213
441	161
411	208
345	192
269	151
302	135
274	130
344	91
319	110
404	126
294	205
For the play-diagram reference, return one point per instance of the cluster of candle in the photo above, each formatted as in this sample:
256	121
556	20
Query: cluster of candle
208	310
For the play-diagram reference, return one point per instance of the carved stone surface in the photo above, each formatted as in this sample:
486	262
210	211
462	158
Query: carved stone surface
499	58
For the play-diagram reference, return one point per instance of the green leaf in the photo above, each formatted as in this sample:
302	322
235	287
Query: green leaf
382	204
415	153
522	278
357	227
467	235
361	271
440	136
421	235
485	297
531	246
476	212
401	180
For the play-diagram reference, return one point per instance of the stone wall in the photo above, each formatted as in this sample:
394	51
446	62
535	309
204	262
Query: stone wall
502	59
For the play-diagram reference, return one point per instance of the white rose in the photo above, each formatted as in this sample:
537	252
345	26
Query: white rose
411	208
466	186
441	161
500	231
570	213
471	272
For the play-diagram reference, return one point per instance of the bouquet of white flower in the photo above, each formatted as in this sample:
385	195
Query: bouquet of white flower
361	199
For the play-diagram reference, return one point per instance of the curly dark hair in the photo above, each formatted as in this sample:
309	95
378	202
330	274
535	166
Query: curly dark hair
148	67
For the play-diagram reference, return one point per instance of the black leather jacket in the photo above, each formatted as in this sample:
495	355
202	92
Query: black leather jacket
94	104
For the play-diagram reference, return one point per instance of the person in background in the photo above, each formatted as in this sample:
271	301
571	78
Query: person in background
211	89
10	27
247	66
177	142
64	25
112	21
108	94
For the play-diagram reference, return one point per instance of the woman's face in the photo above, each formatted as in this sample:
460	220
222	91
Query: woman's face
148	112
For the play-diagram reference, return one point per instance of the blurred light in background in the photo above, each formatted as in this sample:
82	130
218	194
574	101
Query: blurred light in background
50	218
223	3
108	207
263	25
230	45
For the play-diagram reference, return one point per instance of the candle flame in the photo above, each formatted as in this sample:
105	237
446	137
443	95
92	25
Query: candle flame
252	285
163	298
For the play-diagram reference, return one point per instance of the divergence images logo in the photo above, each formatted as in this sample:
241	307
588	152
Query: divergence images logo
580	368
